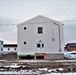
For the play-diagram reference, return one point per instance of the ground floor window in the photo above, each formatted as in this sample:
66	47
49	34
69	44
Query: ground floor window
1	49
41	45
38	45
8	48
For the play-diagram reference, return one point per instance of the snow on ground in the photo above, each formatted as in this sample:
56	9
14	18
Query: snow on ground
73	60
65	60
20	72
12	66
43	69
2	60
60	74
61	69
37	73
33	61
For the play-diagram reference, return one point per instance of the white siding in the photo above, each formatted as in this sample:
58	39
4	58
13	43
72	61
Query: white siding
10	49
31	37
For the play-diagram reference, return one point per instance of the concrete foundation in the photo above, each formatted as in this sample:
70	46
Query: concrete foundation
54	56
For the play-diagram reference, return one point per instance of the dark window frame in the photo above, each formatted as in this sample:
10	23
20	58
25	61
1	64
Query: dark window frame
42	45
38	45
40	30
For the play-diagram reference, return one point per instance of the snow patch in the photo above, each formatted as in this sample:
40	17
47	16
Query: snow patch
60	74
43	69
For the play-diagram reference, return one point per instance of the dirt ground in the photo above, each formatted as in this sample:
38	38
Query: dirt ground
11	59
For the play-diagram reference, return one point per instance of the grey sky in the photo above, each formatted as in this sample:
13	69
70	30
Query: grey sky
22	10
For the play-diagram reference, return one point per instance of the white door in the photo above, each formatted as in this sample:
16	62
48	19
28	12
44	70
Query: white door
40	47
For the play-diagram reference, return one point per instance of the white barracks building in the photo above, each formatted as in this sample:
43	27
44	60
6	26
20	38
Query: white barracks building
40	37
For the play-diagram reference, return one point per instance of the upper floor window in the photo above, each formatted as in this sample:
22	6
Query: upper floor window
40	30
24	42
24	28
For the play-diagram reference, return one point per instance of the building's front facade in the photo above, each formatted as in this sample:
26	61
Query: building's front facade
1	46
40	36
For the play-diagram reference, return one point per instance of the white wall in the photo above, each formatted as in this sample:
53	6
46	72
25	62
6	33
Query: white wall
10	49
31	36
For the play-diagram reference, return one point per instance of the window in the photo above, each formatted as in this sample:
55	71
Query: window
42	45
1	49
24	28
24	42
53	39
8	48
38	45
40	30
14	48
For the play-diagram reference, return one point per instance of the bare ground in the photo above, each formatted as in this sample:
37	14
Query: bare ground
34	65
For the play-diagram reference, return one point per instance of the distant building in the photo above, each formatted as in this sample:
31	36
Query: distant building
70	47
10	47
1	46
40	36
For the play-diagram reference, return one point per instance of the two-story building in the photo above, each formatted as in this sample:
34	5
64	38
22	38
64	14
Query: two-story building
40	37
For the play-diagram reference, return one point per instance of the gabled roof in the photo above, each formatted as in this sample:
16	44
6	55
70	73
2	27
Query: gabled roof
40	19
72	44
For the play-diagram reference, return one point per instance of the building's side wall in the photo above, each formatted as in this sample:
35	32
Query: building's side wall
10	49
31	37
5	49
54	56
1	46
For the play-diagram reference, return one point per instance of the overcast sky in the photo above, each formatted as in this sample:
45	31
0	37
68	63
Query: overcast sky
16	11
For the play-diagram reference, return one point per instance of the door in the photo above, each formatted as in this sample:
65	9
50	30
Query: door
40	47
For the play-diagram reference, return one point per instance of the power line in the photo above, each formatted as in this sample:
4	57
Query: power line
8	24
23	24
68	21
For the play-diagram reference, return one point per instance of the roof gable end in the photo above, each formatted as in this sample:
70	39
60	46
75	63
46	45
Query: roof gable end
40	19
